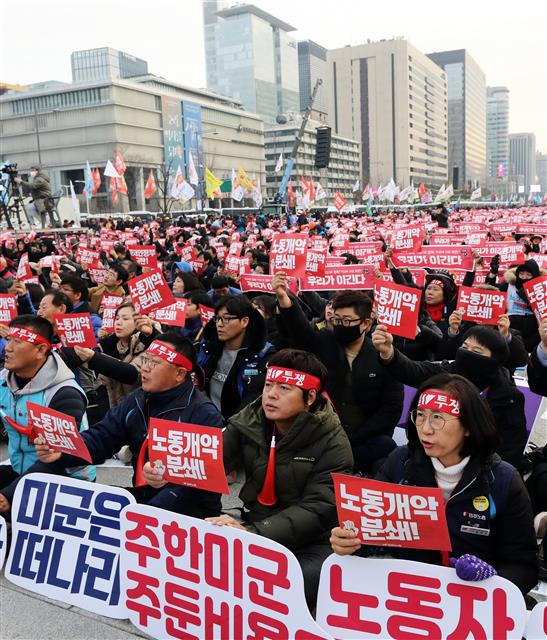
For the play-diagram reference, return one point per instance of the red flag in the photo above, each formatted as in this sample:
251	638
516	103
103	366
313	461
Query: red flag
96	181
305	186
150	188
289	189
339	201
421	189
312	190
114	190
121	187
119	163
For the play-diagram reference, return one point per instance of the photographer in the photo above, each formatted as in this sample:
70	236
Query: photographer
40	192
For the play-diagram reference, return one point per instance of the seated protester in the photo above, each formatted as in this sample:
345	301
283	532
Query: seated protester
113	284
480	359
209	268
193	327
76	289
34	373
537	366
294	504
186	281
233	354
367	398
220	287
452	447
167	392
440	296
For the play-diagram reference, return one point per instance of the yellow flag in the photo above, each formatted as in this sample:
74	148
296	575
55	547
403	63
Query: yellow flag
212	183
244	179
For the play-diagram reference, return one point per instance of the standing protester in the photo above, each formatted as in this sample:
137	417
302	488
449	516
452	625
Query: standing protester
40	191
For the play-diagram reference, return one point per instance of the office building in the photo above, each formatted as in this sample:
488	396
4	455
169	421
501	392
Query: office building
466	92
344	166
497	131
105	63
251	56
312	65
522	157
541	171
392	99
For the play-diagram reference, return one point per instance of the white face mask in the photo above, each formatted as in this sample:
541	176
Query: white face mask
33	174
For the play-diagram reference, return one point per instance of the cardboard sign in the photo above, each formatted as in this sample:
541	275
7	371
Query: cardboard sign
263	282
410	600
288	253
145	256
536	292
185	578
75	329
480	305
351	276
206	314
66	541
3	541
59	430
8	308
188	454
439	257
392	515
397	307
150	291
173	315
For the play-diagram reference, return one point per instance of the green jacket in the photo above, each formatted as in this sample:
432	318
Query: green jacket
314	447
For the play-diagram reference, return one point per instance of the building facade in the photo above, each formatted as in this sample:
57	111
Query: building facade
90	65
541	171
312	65
343	170
251	56
497	131
156	124
522	157
466	92
392	99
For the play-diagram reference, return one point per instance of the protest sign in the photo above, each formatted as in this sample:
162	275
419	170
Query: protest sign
75	329
150	291
97	272
409	600
392	515
145	256
23	270
87	256
536	292
66	541
480	305
58	430
173	315
407	238
109	304
339	201
3	541
185	578
351	276
532	229
397	307
440	257
536	629
361	250
509	253
316	262
188	454
8	308
263	282
288	253
206	314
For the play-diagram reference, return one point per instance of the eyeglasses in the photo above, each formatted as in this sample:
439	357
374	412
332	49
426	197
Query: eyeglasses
345	322
150	363
436	421
222	320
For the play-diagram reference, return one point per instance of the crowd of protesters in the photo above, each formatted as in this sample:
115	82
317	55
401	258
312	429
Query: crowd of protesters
344	421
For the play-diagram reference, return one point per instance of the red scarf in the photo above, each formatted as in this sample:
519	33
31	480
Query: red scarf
435	311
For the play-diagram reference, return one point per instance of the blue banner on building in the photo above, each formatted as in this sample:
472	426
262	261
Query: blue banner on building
173	135
193	139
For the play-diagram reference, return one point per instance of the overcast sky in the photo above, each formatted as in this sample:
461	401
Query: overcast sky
507	39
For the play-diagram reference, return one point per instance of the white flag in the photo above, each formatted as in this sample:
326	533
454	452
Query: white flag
477	194
440	195
75	203
237	189
257	196
110	171
320	193
279	164
192	173
180	189
355	186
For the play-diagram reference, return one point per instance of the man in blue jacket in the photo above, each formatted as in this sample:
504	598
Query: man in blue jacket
167	392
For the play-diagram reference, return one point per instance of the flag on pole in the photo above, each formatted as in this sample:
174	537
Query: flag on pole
150	188
257	194
121	186
320	193
421	189
279	163
244	179
355	186
89	183
119	163
440	195
237	190
109	170
366	191
114	190
180	189
212	183
96	181
312	190
192	173
75	203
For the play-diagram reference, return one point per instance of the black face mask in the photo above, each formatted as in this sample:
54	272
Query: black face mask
347	335
480	370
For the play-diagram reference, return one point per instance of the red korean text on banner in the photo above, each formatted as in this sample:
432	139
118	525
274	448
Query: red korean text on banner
351	276
392	515
339	201
536	292
188	454
235	249
397	307
408	238
8	308
509	253
288	253
145	256
87	256
75	329
361	250
23	270
173	315
206	314
263	282
111	301
97	272
59	430
444	257
109	304
481	305
316	262
150	291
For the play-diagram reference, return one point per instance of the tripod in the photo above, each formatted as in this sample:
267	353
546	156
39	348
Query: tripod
12	203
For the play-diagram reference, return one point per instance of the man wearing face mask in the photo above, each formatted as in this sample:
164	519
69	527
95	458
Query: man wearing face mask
40	191
481	360
367	398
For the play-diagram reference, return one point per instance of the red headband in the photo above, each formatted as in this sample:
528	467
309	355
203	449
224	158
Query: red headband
22	333
436	401
165	352
438	283
292	377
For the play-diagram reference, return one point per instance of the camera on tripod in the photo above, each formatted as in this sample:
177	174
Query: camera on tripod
10	169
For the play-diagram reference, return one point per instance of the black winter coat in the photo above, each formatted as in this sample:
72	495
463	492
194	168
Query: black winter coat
537	374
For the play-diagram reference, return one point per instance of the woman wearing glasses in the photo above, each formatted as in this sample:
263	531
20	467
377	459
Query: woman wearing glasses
451	442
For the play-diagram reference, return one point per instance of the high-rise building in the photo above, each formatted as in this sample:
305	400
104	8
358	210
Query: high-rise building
541	170
105	63
466	89
312	65
393	99
497	131
251	56
522	157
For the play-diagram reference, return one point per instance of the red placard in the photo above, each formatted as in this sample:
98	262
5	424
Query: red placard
59	430
316	262
408	238
206	314
480	305
174	314
442	238
339	201
150	291
23	269
75	329
351	276
536	291
441	257
397	307
235	249
392	515
509	253
188	454
288	253
532	229
361	250
110	301
263	282
87	256
8	308
97	272
145	256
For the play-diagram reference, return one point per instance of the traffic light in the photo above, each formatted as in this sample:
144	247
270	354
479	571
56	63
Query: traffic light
322	147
